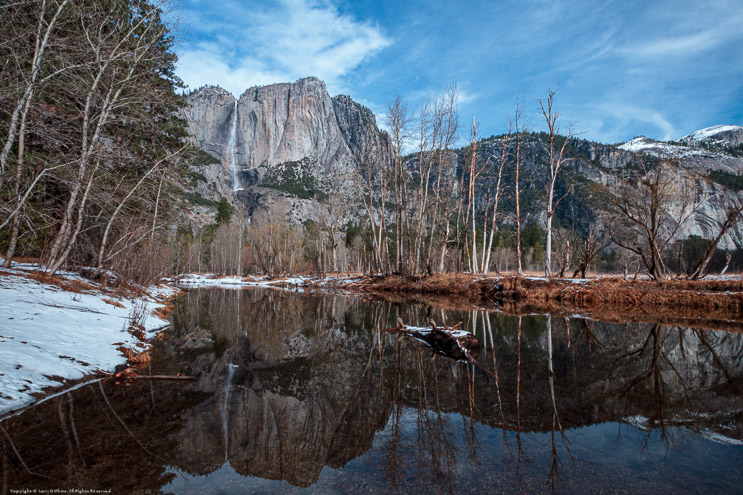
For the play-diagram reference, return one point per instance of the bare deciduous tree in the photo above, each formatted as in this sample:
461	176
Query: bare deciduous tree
732	216
517	193
556	158
649	210
587	248
496	199
48	14
398	123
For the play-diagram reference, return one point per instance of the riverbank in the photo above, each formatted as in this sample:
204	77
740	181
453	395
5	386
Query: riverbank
709	303
56	331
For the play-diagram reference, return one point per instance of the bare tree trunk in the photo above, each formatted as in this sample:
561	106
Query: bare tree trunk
157	204
498	192
517	193
78	225
86	150
555	163
731	218
566	261
474	265
728	257
15	228
548	254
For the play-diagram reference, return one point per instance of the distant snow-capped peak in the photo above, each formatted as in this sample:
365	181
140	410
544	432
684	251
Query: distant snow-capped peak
725	134
664	150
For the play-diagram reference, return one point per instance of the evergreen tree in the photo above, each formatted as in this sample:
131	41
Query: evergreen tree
224	212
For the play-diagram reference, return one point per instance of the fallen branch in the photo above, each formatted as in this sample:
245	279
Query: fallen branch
164	377
128	375
446	341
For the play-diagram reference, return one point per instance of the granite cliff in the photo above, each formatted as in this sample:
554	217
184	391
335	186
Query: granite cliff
288	142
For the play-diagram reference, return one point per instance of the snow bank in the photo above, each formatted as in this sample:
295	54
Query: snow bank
194	280
49	336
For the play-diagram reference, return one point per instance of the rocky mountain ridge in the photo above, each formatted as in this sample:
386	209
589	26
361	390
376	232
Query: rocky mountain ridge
592	172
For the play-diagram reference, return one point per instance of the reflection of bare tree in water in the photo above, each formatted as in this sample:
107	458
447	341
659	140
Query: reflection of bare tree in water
488	334
520	450
468	421
718	362
394	462
556	425
652	382
651	376
436	452
362	390
432	443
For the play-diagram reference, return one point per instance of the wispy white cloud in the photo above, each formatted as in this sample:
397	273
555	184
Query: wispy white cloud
258	45
680	45
710	27
621	118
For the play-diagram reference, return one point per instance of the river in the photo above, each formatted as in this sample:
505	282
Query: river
304	393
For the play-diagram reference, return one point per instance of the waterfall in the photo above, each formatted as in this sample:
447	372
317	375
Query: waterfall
227	389
231	150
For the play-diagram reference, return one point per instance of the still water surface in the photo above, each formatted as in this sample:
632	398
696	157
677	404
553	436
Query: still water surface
303	393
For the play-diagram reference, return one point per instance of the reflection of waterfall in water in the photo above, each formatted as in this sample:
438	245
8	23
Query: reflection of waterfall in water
227	388
231	150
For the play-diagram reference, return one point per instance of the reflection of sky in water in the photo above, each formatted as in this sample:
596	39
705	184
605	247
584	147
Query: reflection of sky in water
609	457
223	480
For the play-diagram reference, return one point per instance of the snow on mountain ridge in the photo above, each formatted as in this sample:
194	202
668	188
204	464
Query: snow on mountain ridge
692	144
643	144
709	132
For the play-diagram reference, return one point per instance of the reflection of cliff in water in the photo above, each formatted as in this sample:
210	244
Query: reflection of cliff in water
288	384
315	383
300	380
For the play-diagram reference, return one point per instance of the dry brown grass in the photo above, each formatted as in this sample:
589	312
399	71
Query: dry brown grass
621	293
445	283
116	304
69	285
164	312
708	303
139	359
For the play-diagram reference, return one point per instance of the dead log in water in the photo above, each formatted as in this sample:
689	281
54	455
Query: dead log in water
447	341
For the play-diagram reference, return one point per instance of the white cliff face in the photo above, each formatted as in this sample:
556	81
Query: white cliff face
269	127
234	170
289	122
209	114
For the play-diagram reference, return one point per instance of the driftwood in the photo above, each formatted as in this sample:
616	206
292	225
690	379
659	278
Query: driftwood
447	341
164	377
128	375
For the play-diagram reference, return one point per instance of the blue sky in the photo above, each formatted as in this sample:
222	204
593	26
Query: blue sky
623	68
